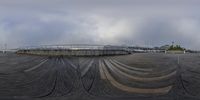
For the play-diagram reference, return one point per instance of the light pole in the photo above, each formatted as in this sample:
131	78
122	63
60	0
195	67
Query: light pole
178	59
5	48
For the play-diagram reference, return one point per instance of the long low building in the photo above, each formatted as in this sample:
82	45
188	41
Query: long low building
76	51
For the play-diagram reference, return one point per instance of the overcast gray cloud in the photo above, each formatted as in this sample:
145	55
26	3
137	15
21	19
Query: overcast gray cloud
132	22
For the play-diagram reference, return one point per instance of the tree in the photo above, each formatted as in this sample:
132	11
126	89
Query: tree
177	47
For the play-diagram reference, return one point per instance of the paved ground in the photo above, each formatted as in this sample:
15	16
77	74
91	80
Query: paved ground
131	77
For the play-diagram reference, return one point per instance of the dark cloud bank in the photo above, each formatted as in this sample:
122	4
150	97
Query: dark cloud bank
139	22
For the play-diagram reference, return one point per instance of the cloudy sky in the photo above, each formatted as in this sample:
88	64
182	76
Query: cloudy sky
130	22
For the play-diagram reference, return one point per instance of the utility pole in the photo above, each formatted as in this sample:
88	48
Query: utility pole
5	48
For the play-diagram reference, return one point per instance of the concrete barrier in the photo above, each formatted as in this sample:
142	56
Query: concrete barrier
175	52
